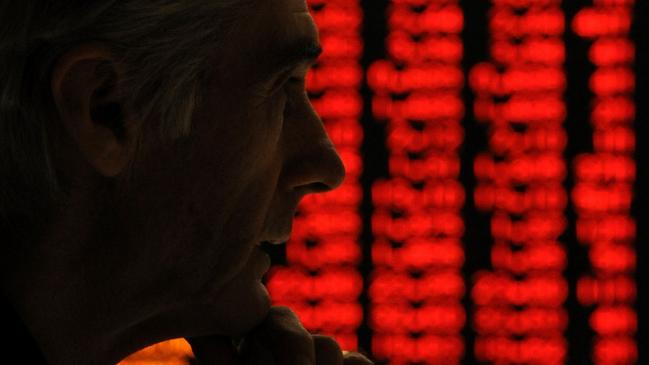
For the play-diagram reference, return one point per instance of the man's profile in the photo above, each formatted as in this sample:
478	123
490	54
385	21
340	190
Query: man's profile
148	147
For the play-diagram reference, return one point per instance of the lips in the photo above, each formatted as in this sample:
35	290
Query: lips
278	241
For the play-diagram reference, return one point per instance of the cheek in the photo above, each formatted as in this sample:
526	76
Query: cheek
224	227
204	222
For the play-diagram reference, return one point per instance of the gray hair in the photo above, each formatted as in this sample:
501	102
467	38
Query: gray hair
163	46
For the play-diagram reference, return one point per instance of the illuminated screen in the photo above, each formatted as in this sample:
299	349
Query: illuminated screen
490	210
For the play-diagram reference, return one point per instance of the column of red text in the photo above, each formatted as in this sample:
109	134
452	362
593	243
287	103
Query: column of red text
603	189
322	283
519	316
416	288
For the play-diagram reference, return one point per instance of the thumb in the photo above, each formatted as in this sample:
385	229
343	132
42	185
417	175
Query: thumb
213	350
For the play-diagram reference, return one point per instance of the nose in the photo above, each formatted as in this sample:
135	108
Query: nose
312	164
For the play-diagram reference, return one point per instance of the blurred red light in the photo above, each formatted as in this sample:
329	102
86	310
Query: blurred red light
447	19
616	289
591	198
504	22
612	52
612	111
619	227
612	81
594	22
531	350
503	321
615	350
382	76
617	320
608	257
595	168
429	348
500	289
538	257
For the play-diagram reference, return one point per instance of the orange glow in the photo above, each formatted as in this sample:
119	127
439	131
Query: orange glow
172	352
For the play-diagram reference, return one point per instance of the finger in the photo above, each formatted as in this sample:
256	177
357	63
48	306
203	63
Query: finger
212	350
327	351
252	352
283	334
355	358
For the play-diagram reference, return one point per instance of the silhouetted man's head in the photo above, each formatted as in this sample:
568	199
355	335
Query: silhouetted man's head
146	147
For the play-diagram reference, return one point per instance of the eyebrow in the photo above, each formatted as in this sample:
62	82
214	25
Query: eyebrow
305	51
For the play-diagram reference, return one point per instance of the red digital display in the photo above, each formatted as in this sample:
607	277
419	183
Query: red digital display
519	303
604	179
416	287
406	289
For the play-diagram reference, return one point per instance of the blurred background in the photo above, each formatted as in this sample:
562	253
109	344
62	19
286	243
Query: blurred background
490	213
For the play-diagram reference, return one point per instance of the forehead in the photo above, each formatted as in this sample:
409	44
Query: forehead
284	23
265	32
298	5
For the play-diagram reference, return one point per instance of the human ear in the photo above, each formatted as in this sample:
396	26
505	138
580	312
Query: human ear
85	90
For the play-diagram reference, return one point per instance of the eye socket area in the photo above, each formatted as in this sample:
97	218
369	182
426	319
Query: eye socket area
296	79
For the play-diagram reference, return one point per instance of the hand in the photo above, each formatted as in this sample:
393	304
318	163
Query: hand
280	340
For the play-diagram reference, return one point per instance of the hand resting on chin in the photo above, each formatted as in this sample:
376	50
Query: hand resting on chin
279	340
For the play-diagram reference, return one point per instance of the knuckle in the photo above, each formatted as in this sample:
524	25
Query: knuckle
284	326
355	358
327	350
283	314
